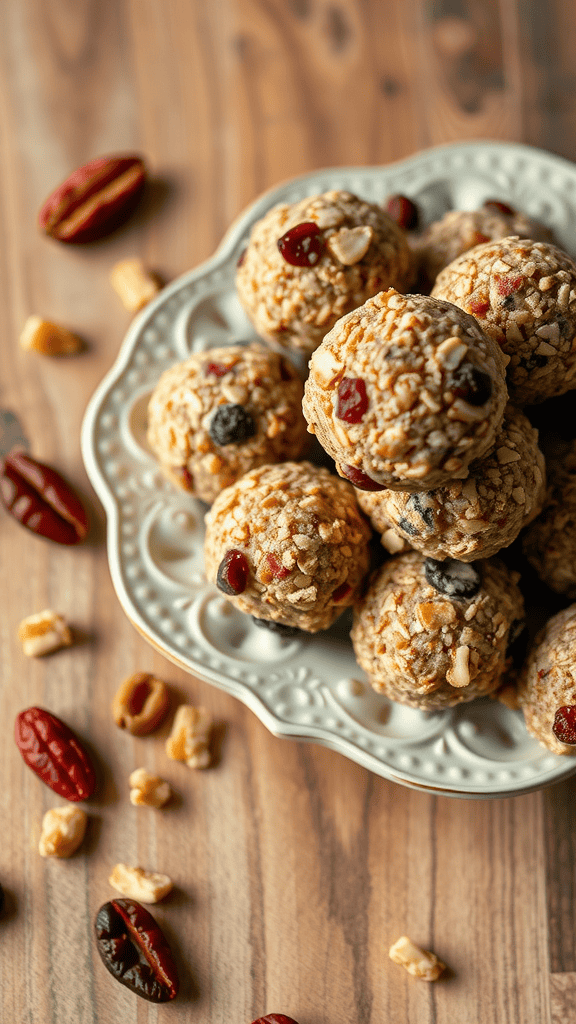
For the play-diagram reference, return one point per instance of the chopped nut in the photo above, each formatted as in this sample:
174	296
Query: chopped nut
43	633
420	963
148	790
189	740
350	245
48	338
138	884
140	704
459	672
63	830
133	283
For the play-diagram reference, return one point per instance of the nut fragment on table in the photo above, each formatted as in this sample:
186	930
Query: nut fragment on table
420	963
137	884
63	830
43	633
140	703
189	739
148	790
48	338
133	283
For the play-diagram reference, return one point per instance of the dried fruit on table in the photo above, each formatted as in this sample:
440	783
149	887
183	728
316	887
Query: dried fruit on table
135	951
274	1018
63	829
43	633
40	499
140	704
48	338
50	748
95	199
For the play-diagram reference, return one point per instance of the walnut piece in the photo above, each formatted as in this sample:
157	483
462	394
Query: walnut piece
48	338
140	703
134	285
350	245
63	830
43	633
148	790
420	963
138	884
189	739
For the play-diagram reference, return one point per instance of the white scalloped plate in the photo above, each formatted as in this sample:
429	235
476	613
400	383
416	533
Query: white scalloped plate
312	688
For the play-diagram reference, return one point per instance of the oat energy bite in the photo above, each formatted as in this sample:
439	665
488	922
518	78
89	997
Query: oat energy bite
222	412
405	392
550	542
459	230
523	293
432	634
547	684
308	263
288	545
476	517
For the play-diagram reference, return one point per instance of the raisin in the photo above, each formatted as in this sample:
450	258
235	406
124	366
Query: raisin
426	514
459	580
341	592
231	424
302	246
277	627
232	575
403	211
472	385
360	479
352	399
407	527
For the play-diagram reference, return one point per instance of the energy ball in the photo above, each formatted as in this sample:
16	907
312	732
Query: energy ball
222	412
547	684
476	517
550	542
288	545
433	634
308	263
458	231
523	294
405	392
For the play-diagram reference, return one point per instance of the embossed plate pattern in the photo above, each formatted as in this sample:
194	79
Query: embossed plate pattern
310	688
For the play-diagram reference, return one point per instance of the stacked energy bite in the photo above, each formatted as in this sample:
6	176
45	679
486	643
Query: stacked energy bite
425	403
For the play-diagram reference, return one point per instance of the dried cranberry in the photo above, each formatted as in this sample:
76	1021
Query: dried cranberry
472	385
241	258
341	592
352	399
403	211
455	579
478	307
232	575
496	206
231	424
564	726
506	285
273	569
216	370
302	246
277	627
360	479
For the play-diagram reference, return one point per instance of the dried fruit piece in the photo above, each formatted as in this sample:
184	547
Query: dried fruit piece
1	899
140	704
134	285
135	951
148	790
472	385
359	478
43	633
138	884
63	830
459	580
232	575
564	725
50	748
275	1018
40	499
352	399
403	211
420	963
189	739
94	200
302	245
231	424
48	338
496	206
287	632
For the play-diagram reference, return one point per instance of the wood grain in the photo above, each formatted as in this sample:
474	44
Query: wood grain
294	869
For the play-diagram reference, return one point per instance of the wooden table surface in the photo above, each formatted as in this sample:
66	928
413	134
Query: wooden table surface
294	869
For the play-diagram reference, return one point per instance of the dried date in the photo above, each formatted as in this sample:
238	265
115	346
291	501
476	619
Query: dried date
40	499
135	951
95	199
274	1018
50	748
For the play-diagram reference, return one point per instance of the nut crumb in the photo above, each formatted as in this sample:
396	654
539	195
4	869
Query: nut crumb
148	790
189	739
48	338
43	633
420	963
63	830
137	884
134	285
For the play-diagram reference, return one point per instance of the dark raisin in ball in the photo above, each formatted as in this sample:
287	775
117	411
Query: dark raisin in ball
1	899
459	580
231	424
472	385
287	632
